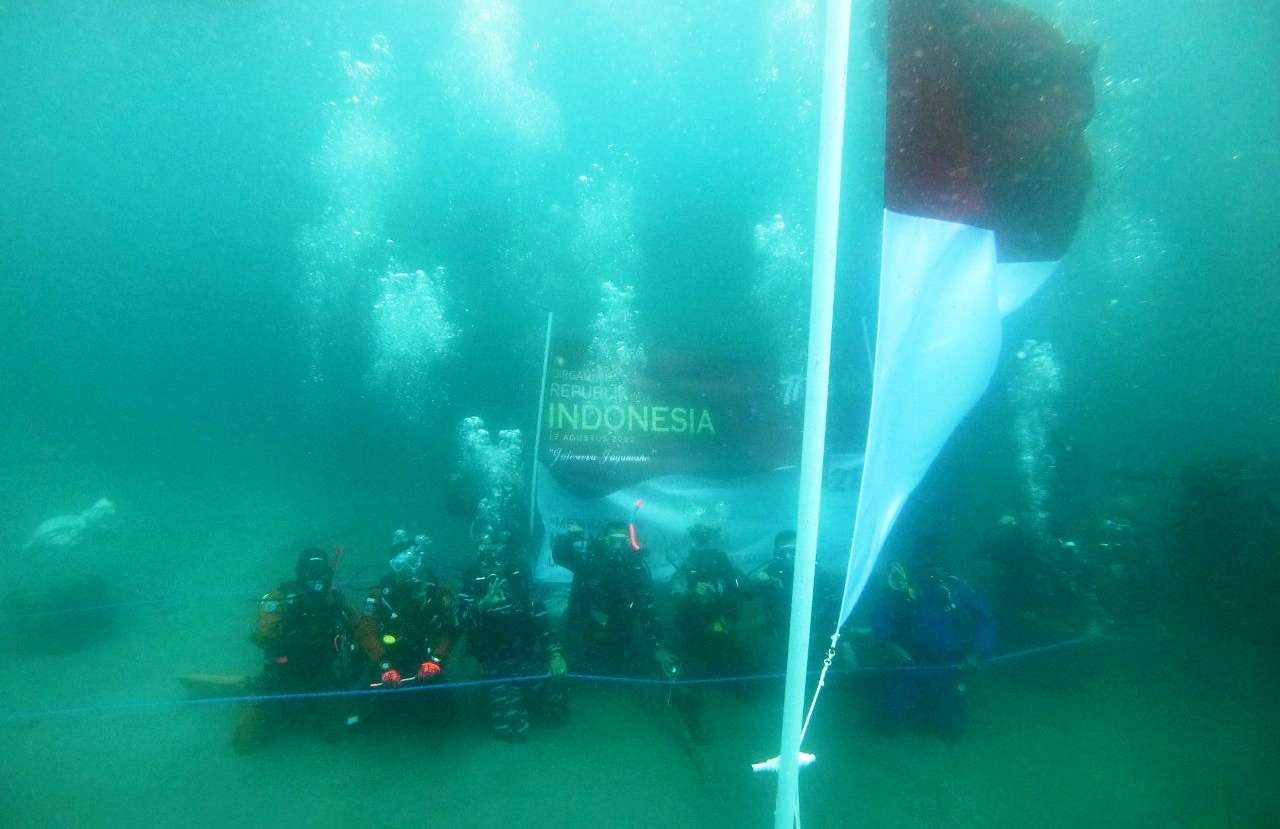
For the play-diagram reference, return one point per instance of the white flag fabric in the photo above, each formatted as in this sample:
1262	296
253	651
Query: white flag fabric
942	298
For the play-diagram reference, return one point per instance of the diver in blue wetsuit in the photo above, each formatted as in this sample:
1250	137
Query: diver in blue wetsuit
932	627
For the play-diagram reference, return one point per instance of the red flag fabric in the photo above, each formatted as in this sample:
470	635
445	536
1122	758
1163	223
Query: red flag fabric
986	109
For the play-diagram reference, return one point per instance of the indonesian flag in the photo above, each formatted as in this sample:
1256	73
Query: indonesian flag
986	170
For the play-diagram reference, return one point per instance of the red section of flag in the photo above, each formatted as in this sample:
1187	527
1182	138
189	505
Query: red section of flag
987	105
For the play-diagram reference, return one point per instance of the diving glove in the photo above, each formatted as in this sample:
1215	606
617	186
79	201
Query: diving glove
666	662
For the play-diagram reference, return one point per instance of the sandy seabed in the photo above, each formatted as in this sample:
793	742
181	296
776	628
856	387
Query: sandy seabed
1175	733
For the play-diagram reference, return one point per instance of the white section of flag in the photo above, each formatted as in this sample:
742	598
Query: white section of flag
942	300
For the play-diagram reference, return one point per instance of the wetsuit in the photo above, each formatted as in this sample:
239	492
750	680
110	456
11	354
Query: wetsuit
945	623
706	591
307	646
773	583
611	614
405	623
511	638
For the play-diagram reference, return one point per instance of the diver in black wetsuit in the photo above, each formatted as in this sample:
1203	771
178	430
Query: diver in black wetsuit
509	633
610	624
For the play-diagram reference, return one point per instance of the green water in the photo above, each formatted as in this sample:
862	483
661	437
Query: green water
194	215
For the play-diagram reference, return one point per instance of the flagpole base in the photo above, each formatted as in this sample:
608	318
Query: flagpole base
803	758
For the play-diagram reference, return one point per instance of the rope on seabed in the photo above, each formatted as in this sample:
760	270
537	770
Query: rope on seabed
151	705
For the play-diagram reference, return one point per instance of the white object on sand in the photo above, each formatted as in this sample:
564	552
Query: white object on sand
66	531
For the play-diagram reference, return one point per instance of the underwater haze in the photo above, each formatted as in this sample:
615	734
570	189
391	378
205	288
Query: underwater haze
259	262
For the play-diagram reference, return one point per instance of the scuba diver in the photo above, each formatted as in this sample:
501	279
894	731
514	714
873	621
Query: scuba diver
706	592
936	628
610	613
772	583
304	629
406	626
509	633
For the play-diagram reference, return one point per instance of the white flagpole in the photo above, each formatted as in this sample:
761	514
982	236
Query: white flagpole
537	434
821	304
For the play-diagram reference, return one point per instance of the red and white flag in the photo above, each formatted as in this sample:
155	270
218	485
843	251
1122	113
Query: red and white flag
986	171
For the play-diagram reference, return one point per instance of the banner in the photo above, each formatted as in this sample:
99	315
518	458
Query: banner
693	438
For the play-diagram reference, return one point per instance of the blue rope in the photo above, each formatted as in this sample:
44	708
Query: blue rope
1065	643
144	705
645	680
151	705
995	660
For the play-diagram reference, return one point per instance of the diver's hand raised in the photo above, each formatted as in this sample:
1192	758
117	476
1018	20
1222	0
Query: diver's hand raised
497	593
